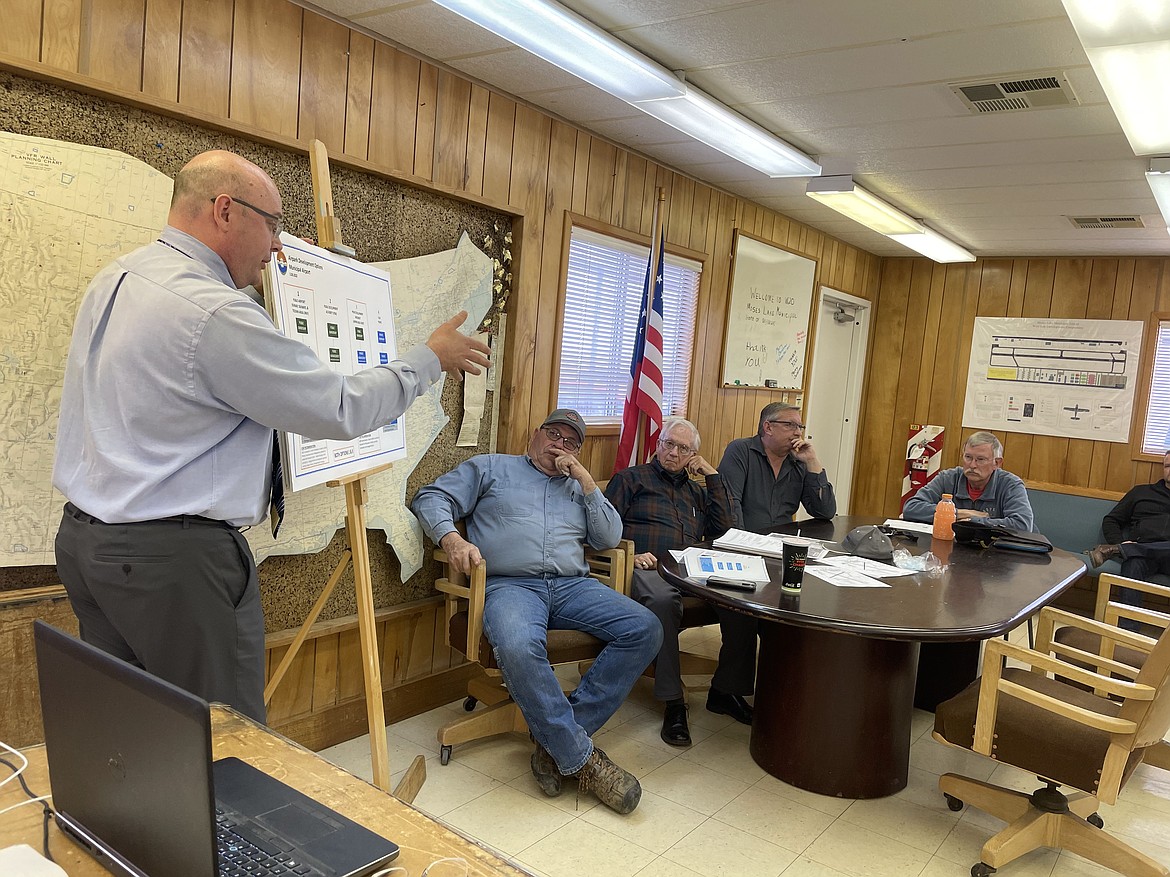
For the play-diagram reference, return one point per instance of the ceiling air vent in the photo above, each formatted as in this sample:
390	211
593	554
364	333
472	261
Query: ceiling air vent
1107	221
1039	91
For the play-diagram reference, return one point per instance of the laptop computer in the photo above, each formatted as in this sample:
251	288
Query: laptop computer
133	781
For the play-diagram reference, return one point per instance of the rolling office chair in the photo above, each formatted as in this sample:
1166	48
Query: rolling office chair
1088	740
464	600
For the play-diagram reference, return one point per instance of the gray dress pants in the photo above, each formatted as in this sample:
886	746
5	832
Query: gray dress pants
736	673
177	597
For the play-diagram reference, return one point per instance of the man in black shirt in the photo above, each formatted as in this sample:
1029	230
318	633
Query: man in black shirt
1137	531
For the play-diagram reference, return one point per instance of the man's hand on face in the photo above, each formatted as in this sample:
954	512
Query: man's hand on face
568	464
699	466
803	450
462	555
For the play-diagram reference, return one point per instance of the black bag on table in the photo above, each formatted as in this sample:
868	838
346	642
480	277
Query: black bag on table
985	536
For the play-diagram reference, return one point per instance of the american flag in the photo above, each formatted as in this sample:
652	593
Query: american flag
642	415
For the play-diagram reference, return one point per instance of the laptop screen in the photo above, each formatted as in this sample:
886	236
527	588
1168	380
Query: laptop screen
129	759
130	764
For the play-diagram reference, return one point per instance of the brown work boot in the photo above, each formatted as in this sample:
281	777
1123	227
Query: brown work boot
1102	553
616	788
548	777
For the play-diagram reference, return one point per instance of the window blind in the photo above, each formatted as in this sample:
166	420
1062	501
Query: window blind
1156	438
603	301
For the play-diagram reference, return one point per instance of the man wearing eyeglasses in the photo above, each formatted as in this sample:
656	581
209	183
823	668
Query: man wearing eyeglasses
772	473
982	490
527	516
664	508
175	381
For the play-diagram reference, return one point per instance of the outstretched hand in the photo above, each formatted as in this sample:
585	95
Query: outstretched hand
458	353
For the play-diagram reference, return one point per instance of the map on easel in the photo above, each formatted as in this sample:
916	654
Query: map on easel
342	310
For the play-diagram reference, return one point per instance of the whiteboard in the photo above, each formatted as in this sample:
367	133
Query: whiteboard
766	342
342	310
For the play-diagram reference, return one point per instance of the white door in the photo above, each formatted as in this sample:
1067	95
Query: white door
833	402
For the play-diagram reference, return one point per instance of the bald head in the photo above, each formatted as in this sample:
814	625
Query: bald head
221	199
217	172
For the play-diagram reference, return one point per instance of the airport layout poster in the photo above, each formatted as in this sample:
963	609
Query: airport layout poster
1050	376
343	311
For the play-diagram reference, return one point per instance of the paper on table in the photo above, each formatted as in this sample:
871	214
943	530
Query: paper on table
909	526
756	543
843	578
867	567
701	564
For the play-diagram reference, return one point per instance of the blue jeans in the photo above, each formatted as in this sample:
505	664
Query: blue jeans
519	612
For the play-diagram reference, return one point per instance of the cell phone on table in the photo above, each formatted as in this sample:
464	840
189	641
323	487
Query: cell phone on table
730	584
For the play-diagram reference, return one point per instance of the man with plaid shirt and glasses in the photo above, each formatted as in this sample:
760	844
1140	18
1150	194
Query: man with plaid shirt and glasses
662	508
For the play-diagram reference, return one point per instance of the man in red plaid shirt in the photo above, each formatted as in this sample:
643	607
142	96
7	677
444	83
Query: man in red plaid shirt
663	507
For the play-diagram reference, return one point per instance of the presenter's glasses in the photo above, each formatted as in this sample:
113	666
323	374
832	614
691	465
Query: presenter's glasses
275	223
555	435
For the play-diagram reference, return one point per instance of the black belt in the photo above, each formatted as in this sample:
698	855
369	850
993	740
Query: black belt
185	520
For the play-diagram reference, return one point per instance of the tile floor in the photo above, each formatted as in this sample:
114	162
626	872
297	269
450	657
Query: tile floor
709	810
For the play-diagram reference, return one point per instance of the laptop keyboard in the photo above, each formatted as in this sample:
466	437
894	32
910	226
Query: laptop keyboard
242	854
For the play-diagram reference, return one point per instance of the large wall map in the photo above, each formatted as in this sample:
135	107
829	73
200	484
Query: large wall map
65	211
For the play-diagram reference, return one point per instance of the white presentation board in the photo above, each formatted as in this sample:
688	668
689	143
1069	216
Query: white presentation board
1051	376
766	341
343	311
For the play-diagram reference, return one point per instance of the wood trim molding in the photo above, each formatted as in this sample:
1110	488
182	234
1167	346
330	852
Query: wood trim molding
175	110
279	638
1072	490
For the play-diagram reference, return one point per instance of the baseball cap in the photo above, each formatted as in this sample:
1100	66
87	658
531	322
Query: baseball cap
569	418
868	541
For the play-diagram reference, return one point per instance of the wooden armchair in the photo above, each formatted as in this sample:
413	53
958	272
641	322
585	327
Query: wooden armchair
1086	648
464	598
1089	737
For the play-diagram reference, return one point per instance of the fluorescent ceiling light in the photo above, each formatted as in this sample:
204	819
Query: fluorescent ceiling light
705	119
1158	176
843	195
849	199
1128	44
934	246
577	46
561	37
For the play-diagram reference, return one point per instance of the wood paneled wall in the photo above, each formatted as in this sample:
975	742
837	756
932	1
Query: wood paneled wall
271	69
920	350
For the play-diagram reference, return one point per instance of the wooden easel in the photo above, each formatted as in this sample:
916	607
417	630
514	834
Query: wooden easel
329	236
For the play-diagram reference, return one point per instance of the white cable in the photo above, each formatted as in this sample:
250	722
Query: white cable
33	801
19	770
463	861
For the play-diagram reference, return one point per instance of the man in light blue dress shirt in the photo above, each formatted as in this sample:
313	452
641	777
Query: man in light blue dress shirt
527	516
175	381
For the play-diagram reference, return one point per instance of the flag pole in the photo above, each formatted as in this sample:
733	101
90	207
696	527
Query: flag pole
656	240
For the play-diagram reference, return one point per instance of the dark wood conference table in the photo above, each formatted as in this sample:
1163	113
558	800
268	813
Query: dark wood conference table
836	669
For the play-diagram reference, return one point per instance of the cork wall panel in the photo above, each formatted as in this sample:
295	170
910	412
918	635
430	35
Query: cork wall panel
382	219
